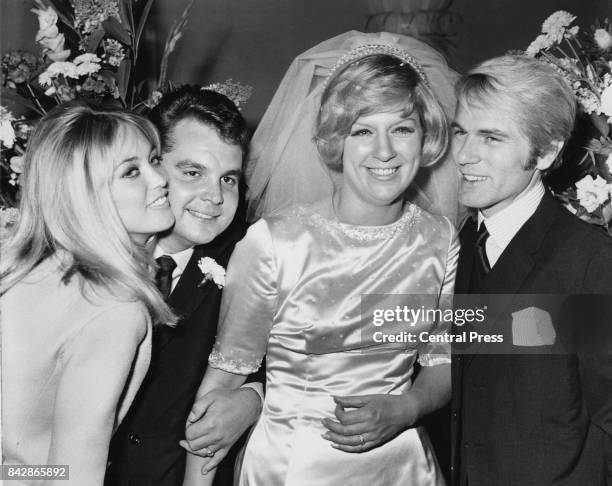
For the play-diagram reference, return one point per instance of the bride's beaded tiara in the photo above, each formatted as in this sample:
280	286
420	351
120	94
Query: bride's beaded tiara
373	49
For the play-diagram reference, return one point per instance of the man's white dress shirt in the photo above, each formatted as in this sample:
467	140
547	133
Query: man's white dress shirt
505	224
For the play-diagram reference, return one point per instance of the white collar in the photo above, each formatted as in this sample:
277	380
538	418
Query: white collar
181	258
502	226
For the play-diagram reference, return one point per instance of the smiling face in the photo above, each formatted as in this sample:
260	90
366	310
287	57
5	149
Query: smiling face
492	154
139	187
381	156
203	172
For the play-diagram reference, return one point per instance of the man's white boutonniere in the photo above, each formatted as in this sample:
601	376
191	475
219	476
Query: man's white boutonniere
212	271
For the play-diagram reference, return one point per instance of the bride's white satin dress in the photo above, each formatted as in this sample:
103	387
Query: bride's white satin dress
293	293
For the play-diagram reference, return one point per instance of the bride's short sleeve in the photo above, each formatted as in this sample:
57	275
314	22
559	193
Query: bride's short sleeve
248	304
438	350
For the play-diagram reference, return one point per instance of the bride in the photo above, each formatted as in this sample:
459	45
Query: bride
303	286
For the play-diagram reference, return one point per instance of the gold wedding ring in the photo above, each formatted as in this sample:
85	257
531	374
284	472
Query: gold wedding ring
208	452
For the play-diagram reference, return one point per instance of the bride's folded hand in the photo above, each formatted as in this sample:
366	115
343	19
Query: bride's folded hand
367	421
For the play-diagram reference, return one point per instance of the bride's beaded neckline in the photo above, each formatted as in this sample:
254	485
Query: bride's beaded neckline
328	218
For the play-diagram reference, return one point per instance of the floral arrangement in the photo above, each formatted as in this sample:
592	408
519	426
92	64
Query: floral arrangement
212	271
234	90
89	49
584	182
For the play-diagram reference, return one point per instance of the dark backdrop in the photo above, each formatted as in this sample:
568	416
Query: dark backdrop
254	41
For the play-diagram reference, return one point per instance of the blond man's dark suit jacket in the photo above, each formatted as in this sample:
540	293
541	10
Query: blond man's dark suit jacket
145	451
539	419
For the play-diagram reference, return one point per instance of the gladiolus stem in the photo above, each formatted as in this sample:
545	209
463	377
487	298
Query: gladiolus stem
35	99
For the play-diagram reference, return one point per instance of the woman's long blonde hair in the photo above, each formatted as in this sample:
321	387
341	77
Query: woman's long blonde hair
66	207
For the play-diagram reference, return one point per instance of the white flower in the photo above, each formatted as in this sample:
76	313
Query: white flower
569	65
588	100
5	114
48	35
87	68
609	163
540	43
66	69
153	99
7	133
52	43
16	163
86	58
606	101
113	52
47	18
592	192
8	217
86	64
58	56
236	91
89	14
603	38
212	271
556	24
573	31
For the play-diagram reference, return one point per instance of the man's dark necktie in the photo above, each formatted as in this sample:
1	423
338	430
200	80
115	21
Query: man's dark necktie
163	277
481	241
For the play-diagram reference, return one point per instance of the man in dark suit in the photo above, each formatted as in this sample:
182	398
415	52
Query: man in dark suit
536	408
204	142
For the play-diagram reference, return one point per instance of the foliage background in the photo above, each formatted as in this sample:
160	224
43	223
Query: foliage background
254	41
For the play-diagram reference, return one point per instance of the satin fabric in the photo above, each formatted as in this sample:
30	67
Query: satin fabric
293	292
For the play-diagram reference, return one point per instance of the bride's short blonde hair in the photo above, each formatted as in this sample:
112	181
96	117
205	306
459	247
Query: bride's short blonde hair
375	84
67	207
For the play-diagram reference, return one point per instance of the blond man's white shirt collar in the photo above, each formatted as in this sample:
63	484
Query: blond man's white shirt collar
181	259
505	224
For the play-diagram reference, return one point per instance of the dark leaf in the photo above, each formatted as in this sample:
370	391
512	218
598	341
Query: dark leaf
141	24
563	198
114	28
94	40
123	78
130	14
141	88
10	95
64	11
66	16
173	37
73	38
125	15
108	76
599	121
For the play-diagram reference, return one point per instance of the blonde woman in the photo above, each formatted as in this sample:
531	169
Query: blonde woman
77	297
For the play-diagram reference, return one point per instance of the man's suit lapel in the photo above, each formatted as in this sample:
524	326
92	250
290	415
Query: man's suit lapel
189	293
518	259
511	271
467	237
186	296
